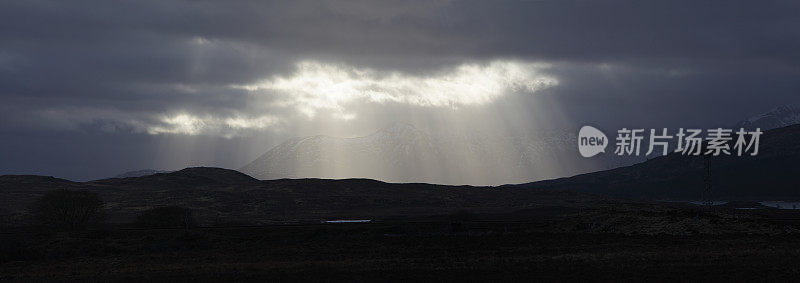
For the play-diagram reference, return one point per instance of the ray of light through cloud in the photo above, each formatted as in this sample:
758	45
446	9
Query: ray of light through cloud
316	86
251	75
340	91
188	124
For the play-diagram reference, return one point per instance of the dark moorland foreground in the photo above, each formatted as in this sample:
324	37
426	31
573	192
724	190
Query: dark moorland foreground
635	241
601	226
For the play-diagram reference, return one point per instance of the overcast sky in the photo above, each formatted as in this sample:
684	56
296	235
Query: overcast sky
90	89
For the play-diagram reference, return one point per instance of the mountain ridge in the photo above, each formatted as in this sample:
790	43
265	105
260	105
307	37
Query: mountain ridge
679	177
777	117
403	153
219	194
140	173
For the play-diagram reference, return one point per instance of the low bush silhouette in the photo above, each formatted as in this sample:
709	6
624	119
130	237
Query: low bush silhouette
68	210
166	217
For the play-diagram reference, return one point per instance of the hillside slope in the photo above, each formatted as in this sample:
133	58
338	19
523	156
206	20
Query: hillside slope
771	175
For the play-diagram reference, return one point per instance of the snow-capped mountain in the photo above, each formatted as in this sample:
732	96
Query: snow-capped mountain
389	154
781	116
403	153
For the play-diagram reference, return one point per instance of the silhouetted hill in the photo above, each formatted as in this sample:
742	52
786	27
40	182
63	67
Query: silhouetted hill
19	191
218	195
772	174
15	181
140	173
186	178
226	195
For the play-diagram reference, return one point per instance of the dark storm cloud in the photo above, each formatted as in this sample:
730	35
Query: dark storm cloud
149	38
136	66
151	41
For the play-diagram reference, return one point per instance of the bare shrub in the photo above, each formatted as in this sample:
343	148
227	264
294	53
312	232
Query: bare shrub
69	210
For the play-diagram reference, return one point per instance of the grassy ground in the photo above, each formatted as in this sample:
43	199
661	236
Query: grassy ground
394	251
